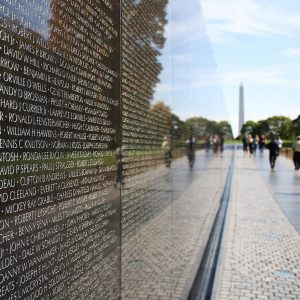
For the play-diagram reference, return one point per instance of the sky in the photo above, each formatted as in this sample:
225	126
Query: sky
257	42
212	46
189	82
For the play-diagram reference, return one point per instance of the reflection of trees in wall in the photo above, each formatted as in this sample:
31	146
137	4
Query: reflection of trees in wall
92	47
145	123
143	25
201	127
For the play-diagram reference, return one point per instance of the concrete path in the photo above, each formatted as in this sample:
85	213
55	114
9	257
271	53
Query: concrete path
284	184
161	258
261	247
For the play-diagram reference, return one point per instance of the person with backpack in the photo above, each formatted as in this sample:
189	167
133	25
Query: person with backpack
273	152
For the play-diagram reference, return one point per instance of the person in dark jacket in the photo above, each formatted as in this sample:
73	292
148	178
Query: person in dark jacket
274	152
296	153
190	151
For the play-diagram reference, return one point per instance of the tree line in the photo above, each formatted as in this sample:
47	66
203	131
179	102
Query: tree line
283	126
198	127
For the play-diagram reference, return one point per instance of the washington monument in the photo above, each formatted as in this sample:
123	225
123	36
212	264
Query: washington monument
241	108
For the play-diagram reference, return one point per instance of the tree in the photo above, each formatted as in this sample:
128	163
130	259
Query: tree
262	127
225	128
281	125
178	129
296	126
250	127
201	127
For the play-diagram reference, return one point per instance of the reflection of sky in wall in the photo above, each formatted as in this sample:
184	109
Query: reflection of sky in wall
30	15
189	81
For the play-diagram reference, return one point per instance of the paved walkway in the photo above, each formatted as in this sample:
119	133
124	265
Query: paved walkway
161	258
284	183
261	248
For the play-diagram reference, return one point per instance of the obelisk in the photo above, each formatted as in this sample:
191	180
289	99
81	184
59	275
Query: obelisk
241	108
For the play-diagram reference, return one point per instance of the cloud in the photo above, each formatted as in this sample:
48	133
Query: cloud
204	77
251	17
182	58
260	77
294	52
274	75
185	24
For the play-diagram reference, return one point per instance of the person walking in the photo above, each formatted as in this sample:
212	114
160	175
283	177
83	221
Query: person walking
279	142
296	153
274	152
166	147
222	141
250	144
190	151
207	143
255	143
262	142
245	145
119	157
216	144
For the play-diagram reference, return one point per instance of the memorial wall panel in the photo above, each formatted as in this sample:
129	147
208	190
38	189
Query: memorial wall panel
144	124
59	123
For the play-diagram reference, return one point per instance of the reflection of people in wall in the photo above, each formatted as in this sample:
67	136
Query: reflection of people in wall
166	147
190	150
222	140
207	143
119	157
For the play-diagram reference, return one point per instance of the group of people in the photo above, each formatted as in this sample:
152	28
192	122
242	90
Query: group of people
215	142
275	149
252	143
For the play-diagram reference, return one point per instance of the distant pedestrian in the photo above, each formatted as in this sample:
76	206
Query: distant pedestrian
216	144
262	143
296	154
274	152
207	143
119	157
250	144
222	140
255	143
166	147
245	145
279	142
190	150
